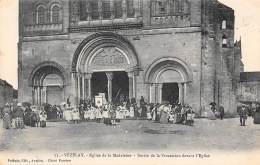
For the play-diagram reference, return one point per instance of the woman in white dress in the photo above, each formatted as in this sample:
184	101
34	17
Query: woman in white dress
164	114
121	111
149	116
118	114
75	115
63	109
105	116
132	112
87	113
92	113
98	114
68	114
124	111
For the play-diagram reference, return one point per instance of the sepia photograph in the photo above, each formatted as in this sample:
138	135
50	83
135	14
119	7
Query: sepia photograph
144	81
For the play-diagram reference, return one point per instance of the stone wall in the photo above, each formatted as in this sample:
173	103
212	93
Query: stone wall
151	45
219	65
249	91
6	93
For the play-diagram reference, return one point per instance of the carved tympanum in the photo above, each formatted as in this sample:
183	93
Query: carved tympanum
109	56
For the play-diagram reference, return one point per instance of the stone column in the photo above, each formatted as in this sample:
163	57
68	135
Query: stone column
160	92
180	85
34	95
88	78
79	88
83	86
39	95
74	88
46	94
156	93
184	92
43	95
130	77
134	85
182	98
150	92
109	85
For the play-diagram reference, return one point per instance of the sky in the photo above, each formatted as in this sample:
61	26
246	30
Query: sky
247	26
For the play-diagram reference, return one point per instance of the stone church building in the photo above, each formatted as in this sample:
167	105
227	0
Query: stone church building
161	49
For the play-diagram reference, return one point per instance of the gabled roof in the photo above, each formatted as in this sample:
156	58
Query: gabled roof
223	6
4	83
249	76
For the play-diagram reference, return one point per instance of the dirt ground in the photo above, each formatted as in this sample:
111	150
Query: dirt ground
211	135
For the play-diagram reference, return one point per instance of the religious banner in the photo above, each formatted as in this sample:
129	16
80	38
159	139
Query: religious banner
103	95
98	101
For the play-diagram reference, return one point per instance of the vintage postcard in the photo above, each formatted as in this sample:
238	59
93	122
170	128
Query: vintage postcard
129	82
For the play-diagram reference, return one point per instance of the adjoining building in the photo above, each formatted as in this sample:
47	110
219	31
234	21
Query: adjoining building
163	50
249	88
6	93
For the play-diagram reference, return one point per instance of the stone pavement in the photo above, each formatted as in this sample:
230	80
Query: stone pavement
206	134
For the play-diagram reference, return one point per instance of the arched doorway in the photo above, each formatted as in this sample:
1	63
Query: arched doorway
107	57
168	78
53	89
170	92
48	81
120	85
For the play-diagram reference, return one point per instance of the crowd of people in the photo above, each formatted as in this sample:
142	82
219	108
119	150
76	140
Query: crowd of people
110	114
244	111
22	115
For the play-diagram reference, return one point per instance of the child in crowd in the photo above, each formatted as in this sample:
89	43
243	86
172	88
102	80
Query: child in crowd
43	118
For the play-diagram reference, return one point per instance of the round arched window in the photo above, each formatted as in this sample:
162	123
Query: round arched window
224	41
40	15
55	14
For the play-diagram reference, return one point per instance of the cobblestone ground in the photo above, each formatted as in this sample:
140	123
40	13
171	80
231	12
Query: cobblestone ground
134	135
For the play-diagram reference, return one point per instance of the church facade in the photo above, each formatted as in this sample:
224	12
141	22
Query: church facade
164	50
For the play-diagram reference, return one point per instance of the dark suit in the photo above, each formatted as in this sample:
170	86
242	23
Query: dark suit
221	112
243	115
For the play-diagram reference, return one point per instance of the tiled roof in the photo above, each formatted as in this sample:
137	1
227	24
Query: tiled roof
249	76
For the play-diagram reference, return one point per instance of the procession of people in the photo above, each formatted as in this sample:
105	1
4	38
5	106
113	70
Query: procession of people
108	113
112	114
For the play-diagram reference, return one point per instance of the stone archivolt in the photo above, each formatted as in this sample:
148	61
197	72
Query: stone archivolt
105	51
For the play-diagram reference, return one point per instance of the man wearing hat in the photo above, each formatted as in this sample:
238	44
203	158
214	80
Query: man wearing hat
18	116
242	115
